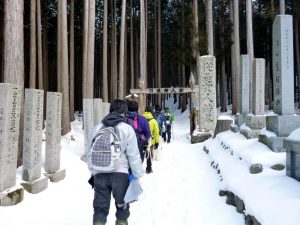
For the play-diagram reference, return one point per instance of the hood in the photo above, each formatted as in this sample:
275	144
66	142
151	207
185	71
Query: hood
131	114
148	115
113	119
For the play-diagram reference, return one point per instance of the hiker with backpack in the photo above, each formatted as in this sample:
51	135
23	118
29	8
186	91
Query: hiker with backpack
140	126
165	121
154	143
113	151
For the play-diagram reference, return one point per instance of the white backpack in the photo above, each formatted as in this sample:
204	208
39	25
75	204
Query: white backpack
105	152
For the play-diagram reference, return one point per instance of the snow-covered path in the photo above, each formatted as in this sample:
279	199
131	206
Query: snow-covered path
183	190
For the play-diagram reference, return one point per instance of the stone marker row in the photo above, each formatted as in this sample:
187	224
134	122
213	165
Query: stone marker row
10	101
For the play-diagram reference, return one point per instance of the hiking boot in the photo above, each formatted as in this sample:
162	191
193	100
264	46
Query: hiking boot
149	171
121	222
99	223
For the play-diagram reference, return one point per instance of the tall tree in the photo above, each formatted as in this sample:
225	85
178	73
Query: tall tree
114	69
282	7
64	72
85	46
236	31
209	27
250	49
72	59
39	44
104	58
233	61
59	47
223	95
159	48
13	71
297	45
32	80
122	52
131	47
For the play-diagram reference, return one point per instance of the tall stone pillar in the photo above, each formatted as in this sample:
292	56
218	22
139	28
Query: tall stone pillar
32	142
88	123
53	137
10	101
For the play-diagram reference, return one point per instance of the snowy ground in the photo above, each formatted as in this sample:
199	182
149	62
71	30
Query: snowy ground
183	190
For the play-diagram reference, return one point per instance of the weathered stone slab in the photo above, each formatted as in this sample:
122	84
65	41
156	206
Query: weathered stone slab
249	133
274	143
97	110
234	128
36	186
239	119
88	121
244	95
255	122
207	87
222	125
292	158
10	101
284	125
258	97
53	132
12	197
56	176
32	138
198	137
283	65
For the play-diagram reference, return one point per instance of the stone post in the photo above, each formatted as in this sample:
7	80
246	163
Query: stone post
244	95
32	141
53	137
207	99
10	97
88	121
97	111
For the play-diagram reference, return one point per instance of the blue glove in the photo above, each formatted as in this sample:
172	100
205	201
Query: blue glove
131	177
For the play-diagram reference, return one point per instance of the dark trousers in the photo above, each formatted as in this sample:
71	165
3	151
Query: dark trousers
166	135
105	184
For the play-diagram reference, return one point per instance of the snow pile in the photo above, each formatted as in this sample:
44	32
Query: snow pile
295	135
270	196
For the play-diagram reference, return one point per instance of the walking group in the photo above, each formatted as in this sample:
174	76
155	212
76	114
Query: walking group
119	145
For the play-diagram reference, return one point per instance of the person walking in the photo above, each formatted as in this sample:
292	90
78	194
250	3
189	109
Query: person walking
140	125
166	121
154	143
115	182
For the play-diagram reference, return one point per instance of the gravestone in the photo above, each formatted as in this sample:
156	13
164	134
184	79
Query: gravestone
243	96
53	137
97	111
283	80
32	141
258	100
292	158
207	101
10	101
88	123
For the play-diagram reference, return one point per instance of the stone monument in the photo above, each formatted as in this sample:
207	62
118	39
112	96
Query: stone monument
88	122
207	101
97	104
285	121
10	101
53	137
32	142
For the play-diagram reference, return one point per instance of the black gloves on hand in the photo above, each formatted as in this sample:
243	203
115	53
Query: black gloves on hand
156	146
91	181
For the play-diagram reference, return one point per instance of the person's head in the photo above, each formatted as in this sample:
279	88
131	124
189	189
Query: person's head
157	107
133	106
149	109
118	106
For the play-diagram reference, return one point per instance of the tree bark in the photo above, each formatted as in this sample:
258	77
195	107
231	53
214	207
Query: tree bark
142	80
104	66
250	50
59	44
122	52
32	80
209	27
297	40
72	59
114	69
233	61
66	125
131	48
39	42
13	71
85	46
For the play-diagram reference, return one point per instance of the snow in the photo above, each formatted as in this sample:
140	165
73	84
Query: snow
295	135
182	190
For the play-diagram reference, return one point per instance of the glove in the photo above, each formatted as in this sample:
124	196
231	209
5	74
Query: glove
91	181
156	146
131	177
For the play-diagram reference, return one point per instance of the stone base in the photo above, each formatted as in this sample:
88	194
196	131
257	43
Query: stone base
283	126
239	119
292	158
36	186
222	125
234	128
274	143
249	133
255	122
12	197
57	176
201	137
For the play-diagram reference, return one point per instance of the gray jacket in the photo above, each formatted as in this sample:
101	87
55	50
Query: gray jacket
131	156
